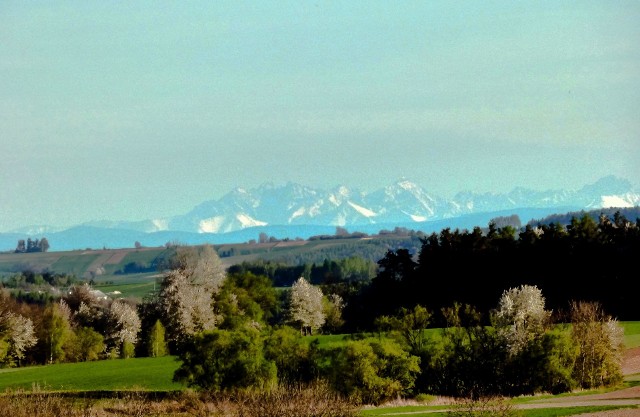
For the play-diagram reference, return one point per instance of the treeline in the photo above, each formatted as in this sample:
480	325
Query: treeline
28	246
565	218
40	282
585	260
370	250
349	270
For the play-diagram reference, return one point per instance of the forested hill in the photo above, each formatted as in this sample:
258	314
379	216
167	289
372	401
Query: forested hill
586	260
631	213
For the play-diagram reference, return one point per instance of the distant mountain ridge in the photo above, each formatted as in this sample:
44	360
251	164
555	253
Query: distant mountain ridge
401	202
293	210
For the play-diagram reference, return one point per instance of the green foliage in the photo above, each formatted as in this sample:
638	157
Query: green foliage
332	306
543	365
220	360
293	356
85	345
246	297
54	334
410	324
157	345
127	350
600	342
371	371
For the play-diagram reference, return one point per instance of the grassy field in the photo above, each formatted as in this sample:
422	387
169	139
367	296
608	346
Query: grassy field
130	285
149	374
631	333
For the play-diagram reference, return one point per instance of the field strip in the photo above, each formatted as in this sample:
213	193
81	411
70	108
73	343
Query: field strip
116	257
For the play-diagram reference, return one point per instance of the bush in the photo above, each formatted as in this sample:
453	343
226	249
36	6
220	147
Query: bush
220	360
293	356
85	345
371	371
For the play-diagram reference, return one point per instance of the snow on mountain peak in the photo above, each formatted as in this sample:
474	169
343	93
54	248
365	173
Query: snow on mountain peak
615	201
403	201
248	221
364	211
407	185
211	225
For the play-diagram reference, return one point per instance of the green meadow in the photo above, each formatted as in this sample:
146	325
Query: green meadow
148	374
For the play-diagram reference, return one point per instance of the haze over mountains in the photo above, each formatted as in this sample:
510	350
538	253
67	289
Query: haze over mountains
293	210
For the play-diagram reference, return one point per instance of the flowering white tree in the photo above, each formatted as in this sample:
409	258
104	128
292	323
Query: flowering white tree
125	324
306	306
16	336
187	295
521	316
17	333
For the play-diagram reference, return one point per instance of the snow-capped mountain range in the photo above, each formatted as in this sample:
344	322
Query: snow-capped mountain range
294	210
399	203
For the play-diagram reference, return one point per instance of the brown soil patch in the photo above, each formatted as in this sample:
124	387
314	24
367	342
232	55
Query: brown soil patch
116	257
631	361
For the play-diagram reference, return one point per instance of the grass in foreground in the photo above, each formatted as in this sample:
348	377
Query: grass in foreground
150	374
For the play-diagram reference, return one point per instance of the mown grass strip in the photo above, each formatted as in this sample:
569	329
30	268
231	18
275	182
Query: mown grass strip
631	334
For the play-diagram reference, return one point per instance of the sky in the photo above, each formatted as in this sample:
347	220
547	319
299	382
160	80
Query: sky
135	110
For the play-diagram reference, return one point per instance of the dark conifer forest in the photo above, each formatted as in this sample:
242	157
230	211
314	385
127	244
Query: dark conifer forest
586	260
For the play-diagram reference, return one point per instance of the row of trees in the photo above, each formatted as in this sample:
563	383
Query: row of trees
522	352
38	245
79	329
196	294
585	260
350	270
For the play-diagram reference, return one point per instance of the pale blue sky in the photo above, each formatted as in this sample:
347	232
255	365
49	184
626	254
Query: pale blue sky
133	110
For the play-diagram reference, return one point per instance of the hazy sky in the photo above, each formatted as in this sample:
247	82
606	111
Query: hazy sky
133	110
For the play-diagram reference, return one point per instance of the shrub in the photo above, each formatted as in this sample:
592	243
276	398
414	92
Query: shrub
220	360
292	355
371	371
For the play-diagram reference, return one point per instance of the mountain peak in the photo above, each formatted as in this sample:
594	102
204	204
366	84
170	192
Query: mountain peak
609	185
